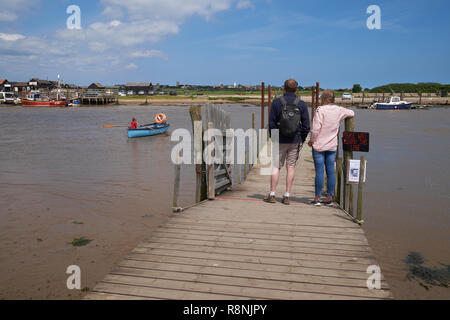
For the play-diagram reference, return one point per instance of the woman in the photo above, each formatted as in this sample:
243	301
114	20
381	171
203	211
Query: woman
324	143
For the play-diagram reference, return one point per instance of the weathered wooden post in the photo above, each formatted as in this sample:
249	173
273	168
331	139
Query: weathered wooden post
262	105
348	155
176	186
245	165
200	167
317	94
313	104
210	167
269	103
362	173
254	142
339	180
420	98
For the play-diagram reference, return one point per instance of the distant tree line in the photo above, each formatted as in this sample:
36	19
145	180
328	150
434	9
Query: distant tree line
424	87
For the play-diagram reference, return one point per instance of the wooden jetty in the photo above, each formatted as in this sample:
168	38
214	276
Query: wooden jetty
98	96
239	247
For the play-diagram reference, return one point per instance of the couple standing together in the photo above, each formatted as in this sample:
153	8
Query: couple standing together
290	116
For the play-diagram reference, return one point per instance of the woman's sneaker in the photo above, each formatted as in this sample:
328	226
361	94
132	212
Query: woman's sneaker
316	203
286	201
329	203
270	199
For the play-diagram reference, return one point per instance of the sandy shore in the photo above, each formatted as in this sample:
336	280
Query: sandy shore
256	100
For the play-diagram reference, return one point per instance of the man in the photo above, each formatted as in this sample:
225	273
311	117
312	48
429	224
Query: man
290	116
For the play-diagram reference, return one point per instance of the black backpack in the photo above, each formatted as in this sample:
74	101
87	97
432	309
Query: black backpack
290	118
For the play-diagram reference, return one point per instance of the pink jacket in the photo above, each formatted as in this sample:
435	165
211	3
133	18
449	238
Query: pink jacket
326	127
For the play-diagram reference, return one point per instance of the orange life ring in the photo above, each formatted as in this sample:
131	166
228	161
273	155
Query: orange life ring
160	118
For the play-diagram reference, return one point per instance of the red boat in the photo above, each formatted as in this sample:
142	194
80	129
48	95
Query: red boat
34	100
51	103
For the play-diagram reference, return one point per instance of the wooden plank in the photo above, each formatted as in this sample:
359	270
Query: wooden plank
301	284
296	231
248	270
159	293
218	254
251	244
109	296
223	266
258	253
192	288
362	242
261	225
246	234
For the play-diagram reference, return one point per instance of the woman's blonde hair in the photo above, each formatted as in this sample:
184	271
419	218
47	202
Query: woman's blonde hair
327	97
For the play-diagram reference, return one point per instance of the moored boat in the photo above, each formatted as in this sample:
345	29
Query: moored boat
394	103
8	98
33	99
148	130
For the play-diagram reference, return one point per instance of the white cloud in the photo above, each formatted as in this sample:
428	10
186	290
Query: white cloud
167	10
11	37
149	54
9	9
131	66
245	4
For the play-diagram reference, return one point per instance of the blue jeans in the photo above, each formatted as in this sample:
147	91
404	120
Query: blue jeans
324	159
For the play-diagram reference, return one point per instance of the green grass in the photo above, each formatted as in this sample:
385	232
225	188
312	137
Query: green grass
79	242
232	99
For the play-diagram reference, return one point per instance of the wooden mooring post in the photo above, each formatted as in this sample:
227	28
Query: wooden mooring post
200	167
176	186
262	105
362	174
313	104
338	180
210	168
348	188
269	102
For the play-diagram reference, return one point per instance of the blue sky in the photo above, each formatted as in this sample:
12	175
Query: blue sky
223	41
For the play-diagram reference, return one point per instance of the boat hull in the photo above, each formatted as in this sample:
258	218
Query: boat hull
32	103
402	106
150	130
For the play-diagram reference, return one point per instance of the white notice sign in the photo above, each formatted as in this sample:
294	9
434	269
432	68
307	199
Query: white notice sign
354	169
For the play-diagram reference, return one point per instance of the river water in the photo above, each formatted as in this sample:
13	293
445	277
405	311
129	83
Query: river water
64	176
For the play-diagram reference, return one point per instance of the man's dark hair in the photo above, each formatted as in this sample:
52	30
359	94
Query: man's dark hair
291	86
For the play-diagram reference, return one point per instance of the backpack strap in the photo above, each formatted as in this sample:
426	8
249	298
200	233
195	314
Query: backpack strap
283	102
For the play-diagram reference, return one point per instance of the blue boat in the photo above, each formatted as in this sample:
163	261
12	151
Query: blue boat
393	104
148	130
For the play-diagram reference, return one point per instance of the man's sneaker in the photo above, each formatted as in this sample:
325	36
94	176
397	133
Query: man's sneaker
286	201
316	203
270	199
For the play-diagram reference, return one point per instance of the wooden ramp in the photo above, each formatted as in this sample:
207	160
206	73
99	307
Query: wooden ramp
239	247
